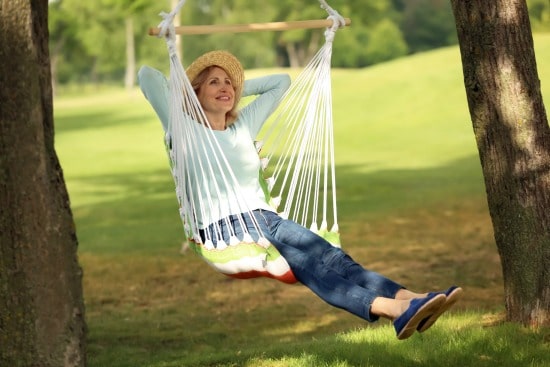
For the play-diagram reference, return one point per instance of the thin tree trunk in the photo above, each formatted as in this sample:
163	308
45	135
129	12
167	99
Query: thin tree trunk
54	60
130	78
41	305
293	59
313	45
513	139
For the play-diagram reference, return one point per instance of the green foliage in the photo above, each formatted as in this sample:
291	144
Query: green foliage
349	47
428	24
385	43
539	13
87	38
252	48
69	58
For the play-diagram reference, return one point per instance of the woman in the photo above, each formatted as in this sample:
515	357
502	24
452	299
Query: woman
217	78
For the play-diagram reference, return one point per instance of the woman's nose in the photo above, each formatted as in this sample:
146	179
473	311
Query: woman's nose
225	87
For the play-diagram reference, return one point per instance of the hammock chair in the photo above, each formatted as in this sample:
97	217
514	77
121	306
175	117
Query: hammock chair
298	165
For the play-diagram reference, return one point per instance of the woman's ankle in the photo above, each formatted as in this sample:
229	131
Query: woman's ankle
405	294
389	308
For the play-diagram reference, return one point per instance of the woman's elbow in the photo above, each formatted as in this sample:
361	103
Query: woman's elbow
285	80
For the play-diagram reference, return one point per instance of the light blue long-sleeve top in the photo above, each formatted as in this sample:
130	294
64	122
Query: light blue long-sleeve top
237	141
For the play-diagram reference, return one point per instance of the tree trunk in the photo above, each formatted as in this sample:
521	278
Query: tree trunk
293	58
130	77
54	62
513	140
41	305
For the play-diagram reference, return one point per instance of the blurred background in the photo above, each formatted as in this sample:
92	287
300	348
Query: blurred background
102	41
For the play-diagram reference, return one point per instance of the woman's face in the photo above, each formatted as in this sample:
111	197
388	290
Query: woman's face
216	93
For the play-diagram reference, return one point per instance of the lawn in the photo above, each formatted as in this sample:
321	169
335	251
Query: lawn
411	206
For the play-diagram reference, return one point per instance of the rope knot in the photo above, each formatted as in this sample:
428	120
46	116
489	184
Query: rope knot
338	21
167	29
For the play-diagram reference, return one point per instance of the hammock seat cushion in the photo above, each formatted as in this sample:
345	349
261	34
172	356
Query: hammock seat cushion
247	260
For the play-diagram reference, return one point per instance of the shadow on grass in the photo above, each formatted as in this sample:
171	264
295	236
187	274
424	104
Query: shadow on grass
84	119
135	209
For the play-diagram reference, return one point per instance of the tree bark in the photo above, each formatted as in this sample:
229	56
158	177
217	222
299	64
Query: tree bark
41	304
513	140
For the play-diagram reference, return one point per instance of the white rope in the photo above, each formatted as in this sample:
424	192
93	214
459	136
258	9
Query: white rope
304	172
196	155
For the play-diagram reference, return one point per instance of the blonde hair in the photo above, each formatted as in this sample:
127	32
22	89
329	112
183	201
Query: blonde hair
196	83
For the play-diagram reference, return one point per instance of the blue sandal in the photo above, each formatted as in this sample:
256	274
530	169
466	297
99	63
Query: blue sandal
452	295
419	309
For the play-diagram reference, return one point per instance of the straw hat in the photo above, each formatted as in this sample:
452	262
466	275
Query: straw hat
224	60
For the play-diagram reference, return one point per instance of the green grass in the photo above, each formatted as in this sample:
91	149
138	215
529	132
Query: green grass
460	341
411	206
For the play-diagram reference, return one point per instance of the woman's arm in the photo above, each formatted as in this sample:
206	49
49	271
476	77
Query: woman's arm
154	86
269	90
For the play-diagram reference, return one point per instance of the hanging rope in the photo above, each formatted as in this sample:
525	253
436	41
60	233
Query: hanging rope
304	173
302	138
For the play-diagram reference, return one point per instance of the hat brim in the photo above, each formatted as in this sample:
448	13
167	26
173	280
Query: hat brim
222	59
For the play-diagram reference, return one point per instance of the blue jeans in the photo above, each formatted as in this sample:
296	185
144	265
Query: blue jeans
327	270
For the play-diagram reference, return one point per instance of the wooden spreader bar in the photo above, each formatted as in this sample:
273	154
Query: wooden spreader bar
251	27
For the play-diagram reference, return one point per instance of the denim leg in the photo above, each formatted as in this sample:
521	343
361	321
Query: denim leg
327	271
344	265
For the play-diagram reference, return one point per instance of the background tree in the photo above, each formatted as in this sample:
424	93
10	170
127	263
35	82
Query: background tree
428	24
513	139
129	9
67	57
385	43
539	13
96	42
92	40
41	306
